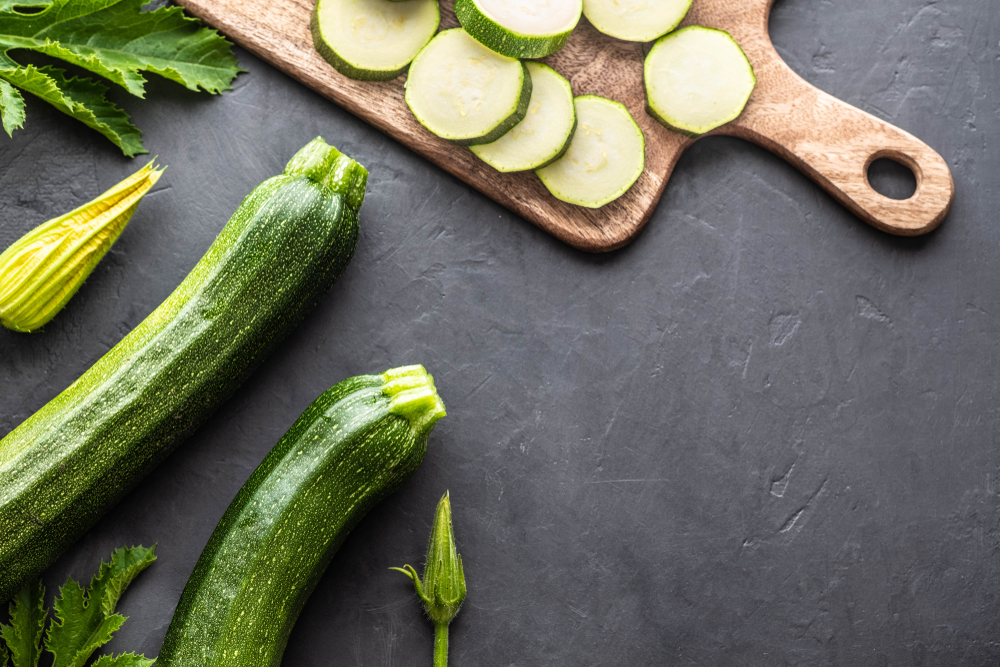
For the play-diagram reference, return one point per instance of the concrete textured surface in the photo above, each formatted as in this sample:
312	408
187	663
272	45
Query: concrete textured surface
762	434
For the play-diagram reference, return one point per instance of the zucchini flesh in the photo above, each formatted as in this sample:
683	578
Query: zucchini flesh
544	134
605	158
697	79
373	40
520	28
464	92
71	461
352	447
636	20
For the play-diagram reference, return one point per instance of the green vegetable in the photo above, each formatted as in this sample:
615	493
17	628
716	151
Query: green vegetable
697	79
636	20
544	135
373	40
520	28
113	39
76	457
443	588
465	93
42	270
27	624
352	447
605	158
85	619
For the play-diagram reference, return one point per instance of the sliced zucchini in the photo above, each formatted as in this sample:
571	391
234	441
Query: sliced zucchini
636	20
520	28
465	93
373	40
544	135
697	79
605	157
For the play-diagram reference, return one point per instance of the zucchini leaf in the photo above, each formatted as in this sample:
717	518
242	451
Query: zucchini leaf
85	620
123	660
81	98
27	621
11	112
113	39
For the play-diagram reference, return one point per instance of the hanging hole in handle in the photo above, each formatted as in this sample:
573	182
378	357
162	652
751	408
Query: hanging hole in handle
892	175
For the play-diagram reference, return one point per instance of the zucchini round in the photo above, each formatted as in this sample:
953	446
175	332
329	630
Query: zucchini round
71	461
605	158
697	79
520	28
544	134
464	92
373	40
350	449
636	20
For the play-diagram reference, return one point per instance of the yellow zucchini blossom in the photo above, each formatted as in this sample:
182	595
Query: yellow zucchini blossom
45	267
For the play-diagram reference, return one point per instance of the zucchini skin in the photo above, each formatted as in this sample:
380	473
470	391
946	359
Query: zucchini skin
75	458
506	42
350	449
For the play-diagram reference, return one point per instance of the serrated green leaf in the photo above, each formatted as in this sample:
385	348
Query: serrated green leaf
3	656
85	620
123	660
125	566
11	108
82	99
116	40
27	622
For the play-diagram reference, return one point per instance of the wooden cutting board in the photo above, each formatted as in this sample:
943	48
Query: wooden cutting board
828	140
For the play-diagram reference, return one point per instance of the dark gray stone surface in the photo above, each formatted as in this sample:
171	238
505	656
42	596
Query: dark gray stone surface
762	434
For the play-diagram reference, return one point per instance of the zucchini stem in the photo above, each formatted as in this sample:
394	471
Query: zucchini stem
441	645
322	163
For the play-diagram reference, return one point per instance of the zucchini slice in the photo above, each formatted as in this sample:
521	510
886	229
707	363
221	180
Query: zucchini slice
520	28
544	135
636	20
373	40
697	79
465	93
605	157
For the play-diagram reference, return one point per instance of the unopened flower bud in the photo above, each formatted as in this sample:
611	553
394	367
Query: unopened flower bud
443	588
45	268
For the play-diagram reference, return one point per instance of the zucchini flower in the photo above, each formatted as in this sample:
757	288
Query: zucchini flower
44	269
443	588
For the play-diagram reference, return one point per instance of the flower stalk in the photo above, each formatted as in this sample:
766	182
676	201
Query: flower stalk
44	268
443	588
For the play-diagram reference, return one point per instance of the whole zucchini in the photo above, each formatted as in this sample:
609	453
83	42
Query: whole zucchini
67	464
352	447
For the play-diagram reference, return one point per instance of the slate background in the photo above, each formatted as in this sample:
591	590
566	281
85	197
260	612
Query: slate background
762	434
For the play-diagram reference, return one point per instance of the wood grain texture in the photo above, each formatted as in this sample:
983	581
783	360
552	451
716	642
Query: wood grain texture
829	140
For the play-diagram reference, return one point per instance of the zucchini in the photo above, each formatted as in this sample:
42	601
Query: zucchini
71	461
605	158
636	20
697	79
465	93
520	28
544	134
350	449
373	40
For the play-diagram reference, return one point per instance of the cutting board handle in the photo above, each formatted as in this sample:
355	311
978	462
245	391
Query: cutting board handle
835	143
